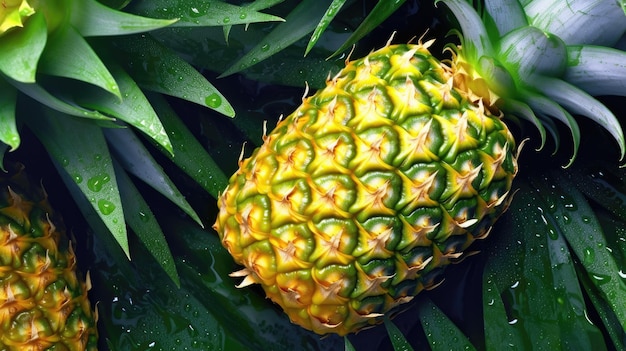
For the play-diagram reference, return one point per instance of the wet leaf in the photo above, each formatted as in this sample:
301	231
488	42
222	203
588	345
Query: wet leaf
80	151
188	154
9	134
21	48
142	221
379	13
91	18
580	226
134	109
441	332
157	68
37	92
135	158
300	21
201	13
398	341
330	14
68	55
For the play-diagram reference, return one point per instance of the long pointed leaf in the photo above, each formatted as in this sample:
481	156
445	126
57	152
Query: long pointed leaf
201	13
92	18
597	70
157	68
79	149
20	49
398	341
379	13
579	102
134	109
135	158
441	332
68	55
37	92
8	126
330	14
572	211
140	218
188	154
301	21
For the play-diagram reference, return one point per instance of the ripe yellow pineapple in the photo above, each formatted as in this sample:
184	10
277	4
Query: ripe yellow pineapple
43	302
356	201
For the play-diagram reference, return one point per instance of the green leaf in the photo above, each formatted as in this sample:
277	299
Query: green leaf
80	151
9	134
548	109
68	55
91	18
348	344
134	109
21	48
597	70
300	21
140	218
201	13
157	68
536	279
475	39
207	313
571	211
188	154
330	14
254	6
379	13
37	92
506	14
135	158
595	22
398	341
441	332
579	102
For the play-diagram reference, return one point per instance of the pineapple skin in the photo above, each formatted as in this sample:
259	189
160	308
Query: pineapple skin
357	200
43	302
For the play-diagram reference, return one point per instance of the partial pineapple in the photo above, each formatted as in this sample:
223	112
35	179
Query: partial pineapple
43	300
357	200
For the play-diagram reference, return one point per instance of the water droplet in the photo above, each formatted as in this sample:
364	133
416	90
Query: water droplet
106	207
78	179
97	157
143	217
65	162
96	183
194	12
226	20
265	47
243	16
213	100
588	255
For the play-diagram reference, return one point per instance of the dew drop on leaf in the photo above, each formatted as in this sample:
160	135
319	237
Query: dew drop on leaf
213	100
106	207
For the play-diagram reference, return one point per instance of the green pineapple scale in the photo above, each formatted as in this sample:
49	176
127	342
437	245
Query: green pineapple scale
356	200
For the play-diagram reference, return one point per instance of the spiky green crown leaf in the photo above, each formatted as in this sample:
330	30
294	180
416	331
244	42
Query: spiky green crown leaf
89	68
537	60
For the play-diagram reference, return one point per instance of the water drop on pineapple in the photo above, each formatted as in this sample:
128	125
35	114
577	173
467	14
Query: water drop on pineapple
78	179
588	256
265	47
226	20
243	16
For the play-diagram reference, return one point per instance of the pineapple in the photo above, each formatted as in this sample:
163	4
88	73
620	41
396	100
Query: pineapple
43	302
356	201
359	199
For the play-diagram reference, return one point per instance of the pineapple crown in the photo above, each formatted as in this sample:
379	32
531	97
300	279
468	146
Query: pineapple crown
543	60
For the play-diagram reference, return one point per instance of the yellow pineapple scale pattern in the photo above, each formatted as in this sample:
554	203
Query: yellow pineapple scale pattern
357	200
